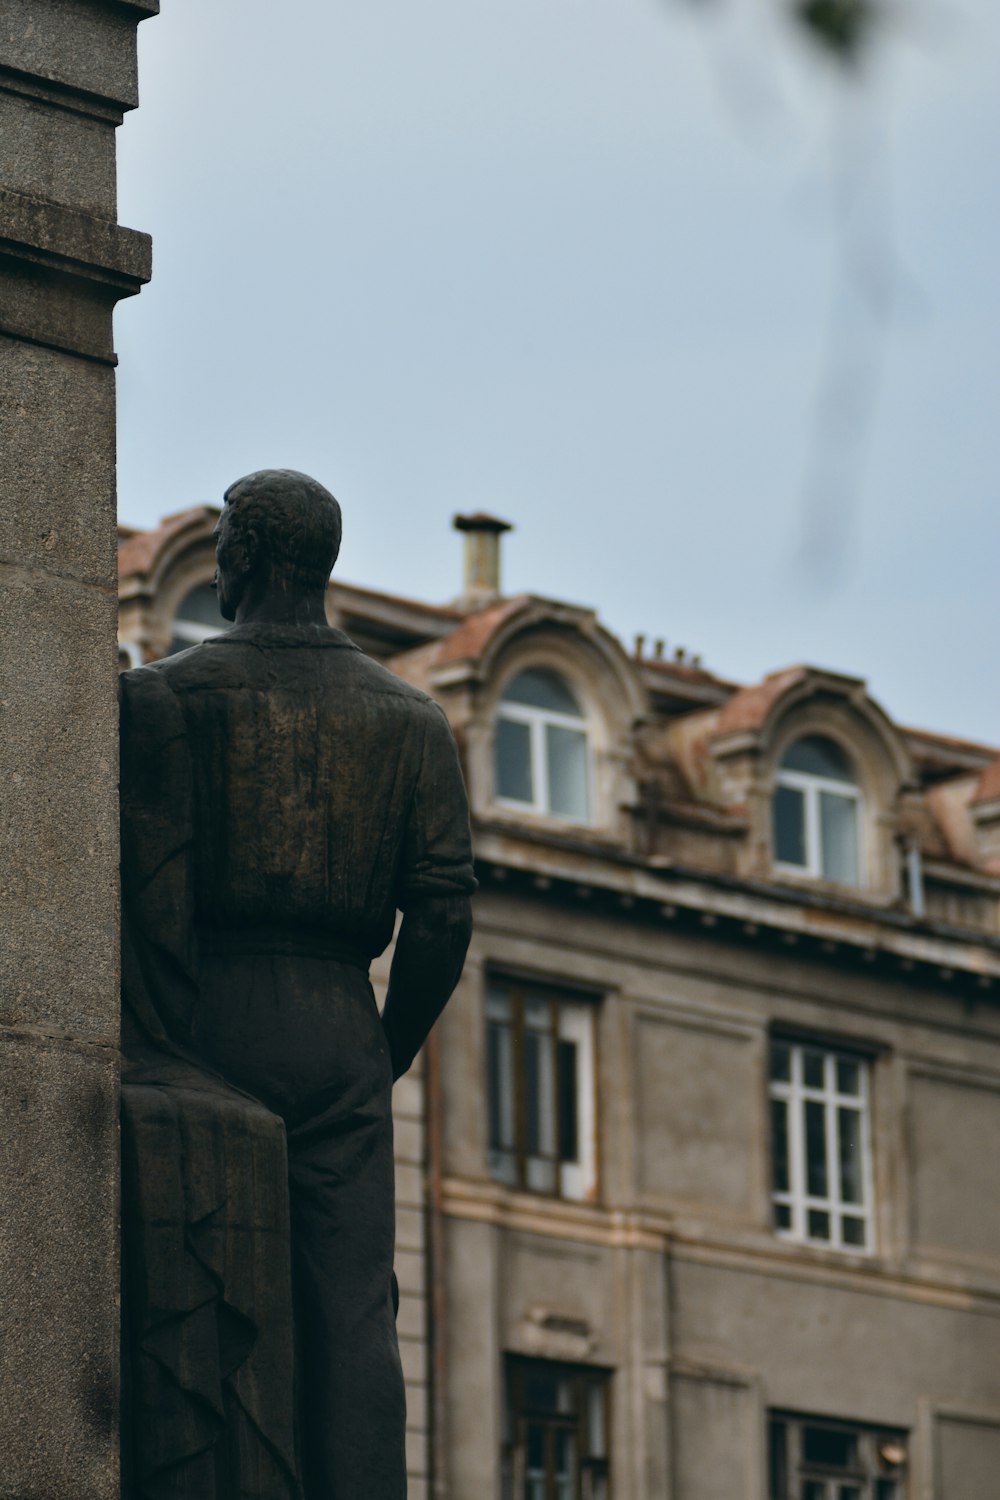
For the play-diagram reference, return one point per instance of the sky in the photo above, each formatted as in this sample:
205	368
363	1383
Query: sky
716	326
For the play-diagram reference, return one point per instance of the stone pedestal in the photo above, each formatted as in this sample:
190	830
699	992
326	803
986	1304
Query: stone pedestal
67	73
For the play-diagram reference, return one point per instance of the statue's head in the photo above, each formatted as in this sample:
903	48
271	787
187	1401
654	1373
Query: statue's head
280	529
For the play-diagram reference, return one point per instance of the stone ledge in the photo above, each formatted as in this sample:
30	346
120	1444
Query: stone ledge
62	96
74	243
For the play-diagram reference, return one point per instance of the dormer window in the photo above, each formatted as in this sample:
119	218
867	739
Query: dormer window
197	619
817	804
541	753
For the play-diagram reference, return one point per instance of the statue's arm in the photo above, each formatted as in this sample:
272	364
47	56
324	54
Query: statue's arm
436	883
426	967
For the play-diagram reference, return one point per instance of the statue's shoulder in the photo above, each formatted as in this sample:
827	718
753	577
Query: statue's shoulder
376	678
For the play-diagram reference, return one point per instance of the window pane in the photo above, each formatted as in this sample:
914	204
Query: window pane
849	1132
816	1183
779	1144
565	1475
838	818
537	688
782	1216
502	1166
781	1062
201	607
538	1014
886	1489
569	1147
827	1446
500	1084
539	1104
818	756
852	1232
569	794
197	618
813	1065
789	826
819	1225
513	761
778	1460
848	1076
848	1492
498	1006
534	1463
596	1440
813	1489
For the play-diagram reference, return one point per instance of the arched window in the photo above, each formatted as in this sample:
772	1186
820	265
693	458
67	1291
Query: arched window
197	619
817	804
541	756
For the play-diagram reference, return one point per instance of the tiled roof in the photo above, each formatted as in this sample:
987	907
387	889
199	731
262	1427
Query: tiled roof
988	786
748	708
139	550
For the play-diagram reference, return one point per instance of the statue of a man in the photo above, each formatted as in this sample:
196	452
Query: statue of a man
283	796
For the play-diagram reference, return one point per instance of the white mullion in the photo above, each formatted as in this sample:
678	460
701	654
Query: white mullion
867	1165
539	764
796	1165
814	856
832	1148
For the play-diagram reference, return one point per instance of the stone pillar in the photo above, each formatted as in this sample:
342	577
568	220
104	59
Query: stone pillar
67	74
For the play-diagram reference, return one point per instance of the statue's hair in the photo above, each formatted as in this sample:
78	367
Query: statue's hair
288	520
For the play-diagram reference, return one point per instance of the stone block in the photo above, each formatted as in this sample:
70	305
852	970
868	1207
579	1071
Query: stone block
417	1404
57	484
411	1229
411	1321
408	1097
410	1267
416	1452
409	1141
86	47
409	1185
413	1355
59	834
59	1271
56	154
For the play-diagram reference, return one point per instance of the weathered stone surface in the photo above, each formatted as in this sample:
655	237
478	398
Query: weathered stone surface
58	838
85	46
67	71
55	154
58	419
58	1259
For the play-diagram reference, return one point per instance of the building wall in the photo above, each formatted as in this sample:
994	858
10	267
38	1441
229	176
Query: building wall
674	1278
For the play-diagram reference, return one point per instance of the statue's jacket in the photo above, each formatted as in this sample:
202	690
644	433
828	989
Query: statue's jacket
279	787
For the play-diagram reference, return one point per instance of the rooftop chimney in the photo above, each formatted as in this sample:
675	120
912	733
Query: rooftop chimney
482	558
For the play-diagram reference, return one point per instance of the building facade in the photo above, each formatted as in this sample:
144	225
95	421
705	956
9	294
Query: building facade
698	1179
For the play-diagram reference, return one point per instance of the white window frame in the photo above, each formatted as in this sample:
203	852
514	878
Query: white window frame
538	721
796	1094
190	630
811	786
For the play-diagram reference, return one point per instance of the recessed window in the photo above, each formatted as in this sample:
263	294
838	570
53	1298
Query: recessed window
197	619
555	1432
816	812
541	754
540	1089
820	1145
812	1458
